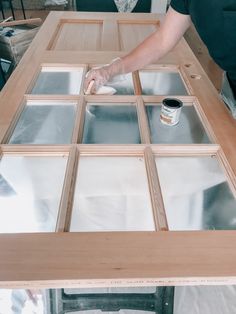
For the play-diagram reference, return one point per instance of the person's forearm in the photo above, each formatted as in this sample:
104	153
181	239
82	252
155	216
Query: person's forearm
146	53
158	44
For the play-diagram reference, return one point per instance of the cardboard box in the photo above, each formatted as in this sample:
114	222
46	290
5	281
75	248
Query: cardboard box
13	46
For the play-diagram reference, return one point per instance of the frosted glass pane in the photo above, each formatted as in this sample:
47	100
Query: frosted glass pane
60	82
111	194
162	83
30	192
123	84
111	124
45	123
189	130
196	194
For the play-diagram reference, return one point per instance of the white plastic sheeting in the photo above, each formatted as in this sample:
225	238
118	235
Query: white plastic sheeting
205	300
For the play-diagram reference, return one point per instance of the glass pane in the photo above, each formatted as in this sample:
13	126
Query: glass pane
162	83
45	123
196	194
111	124
111	194
58	82
30	192
123	84
189	130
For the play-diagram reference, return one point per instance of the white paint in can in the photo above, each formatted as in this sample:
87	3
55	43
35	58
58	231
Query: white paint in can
170	111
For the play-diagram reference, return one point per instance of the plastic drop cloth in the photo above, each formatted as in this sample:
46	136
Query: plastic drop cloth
205	300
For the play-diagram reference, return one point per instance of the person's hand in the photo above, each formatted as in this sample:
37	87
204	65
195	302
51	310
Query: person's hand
98	77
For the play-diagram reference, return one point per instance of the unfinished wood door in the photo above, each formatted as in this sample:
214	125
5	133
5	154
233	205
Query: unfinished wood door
94	190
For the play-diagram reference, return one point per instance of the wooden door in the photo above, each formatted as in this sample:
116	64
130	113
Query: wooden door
67	159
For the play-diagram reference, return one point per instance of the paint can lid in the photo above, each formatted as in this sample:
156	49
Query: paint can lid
172	103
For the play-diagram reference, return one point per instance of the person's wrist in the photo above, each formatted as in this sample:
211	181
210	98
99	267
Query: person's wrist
116	67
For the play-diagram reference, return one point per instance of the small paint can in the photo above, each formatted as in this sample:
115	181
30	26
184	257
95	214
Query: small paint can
170	111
